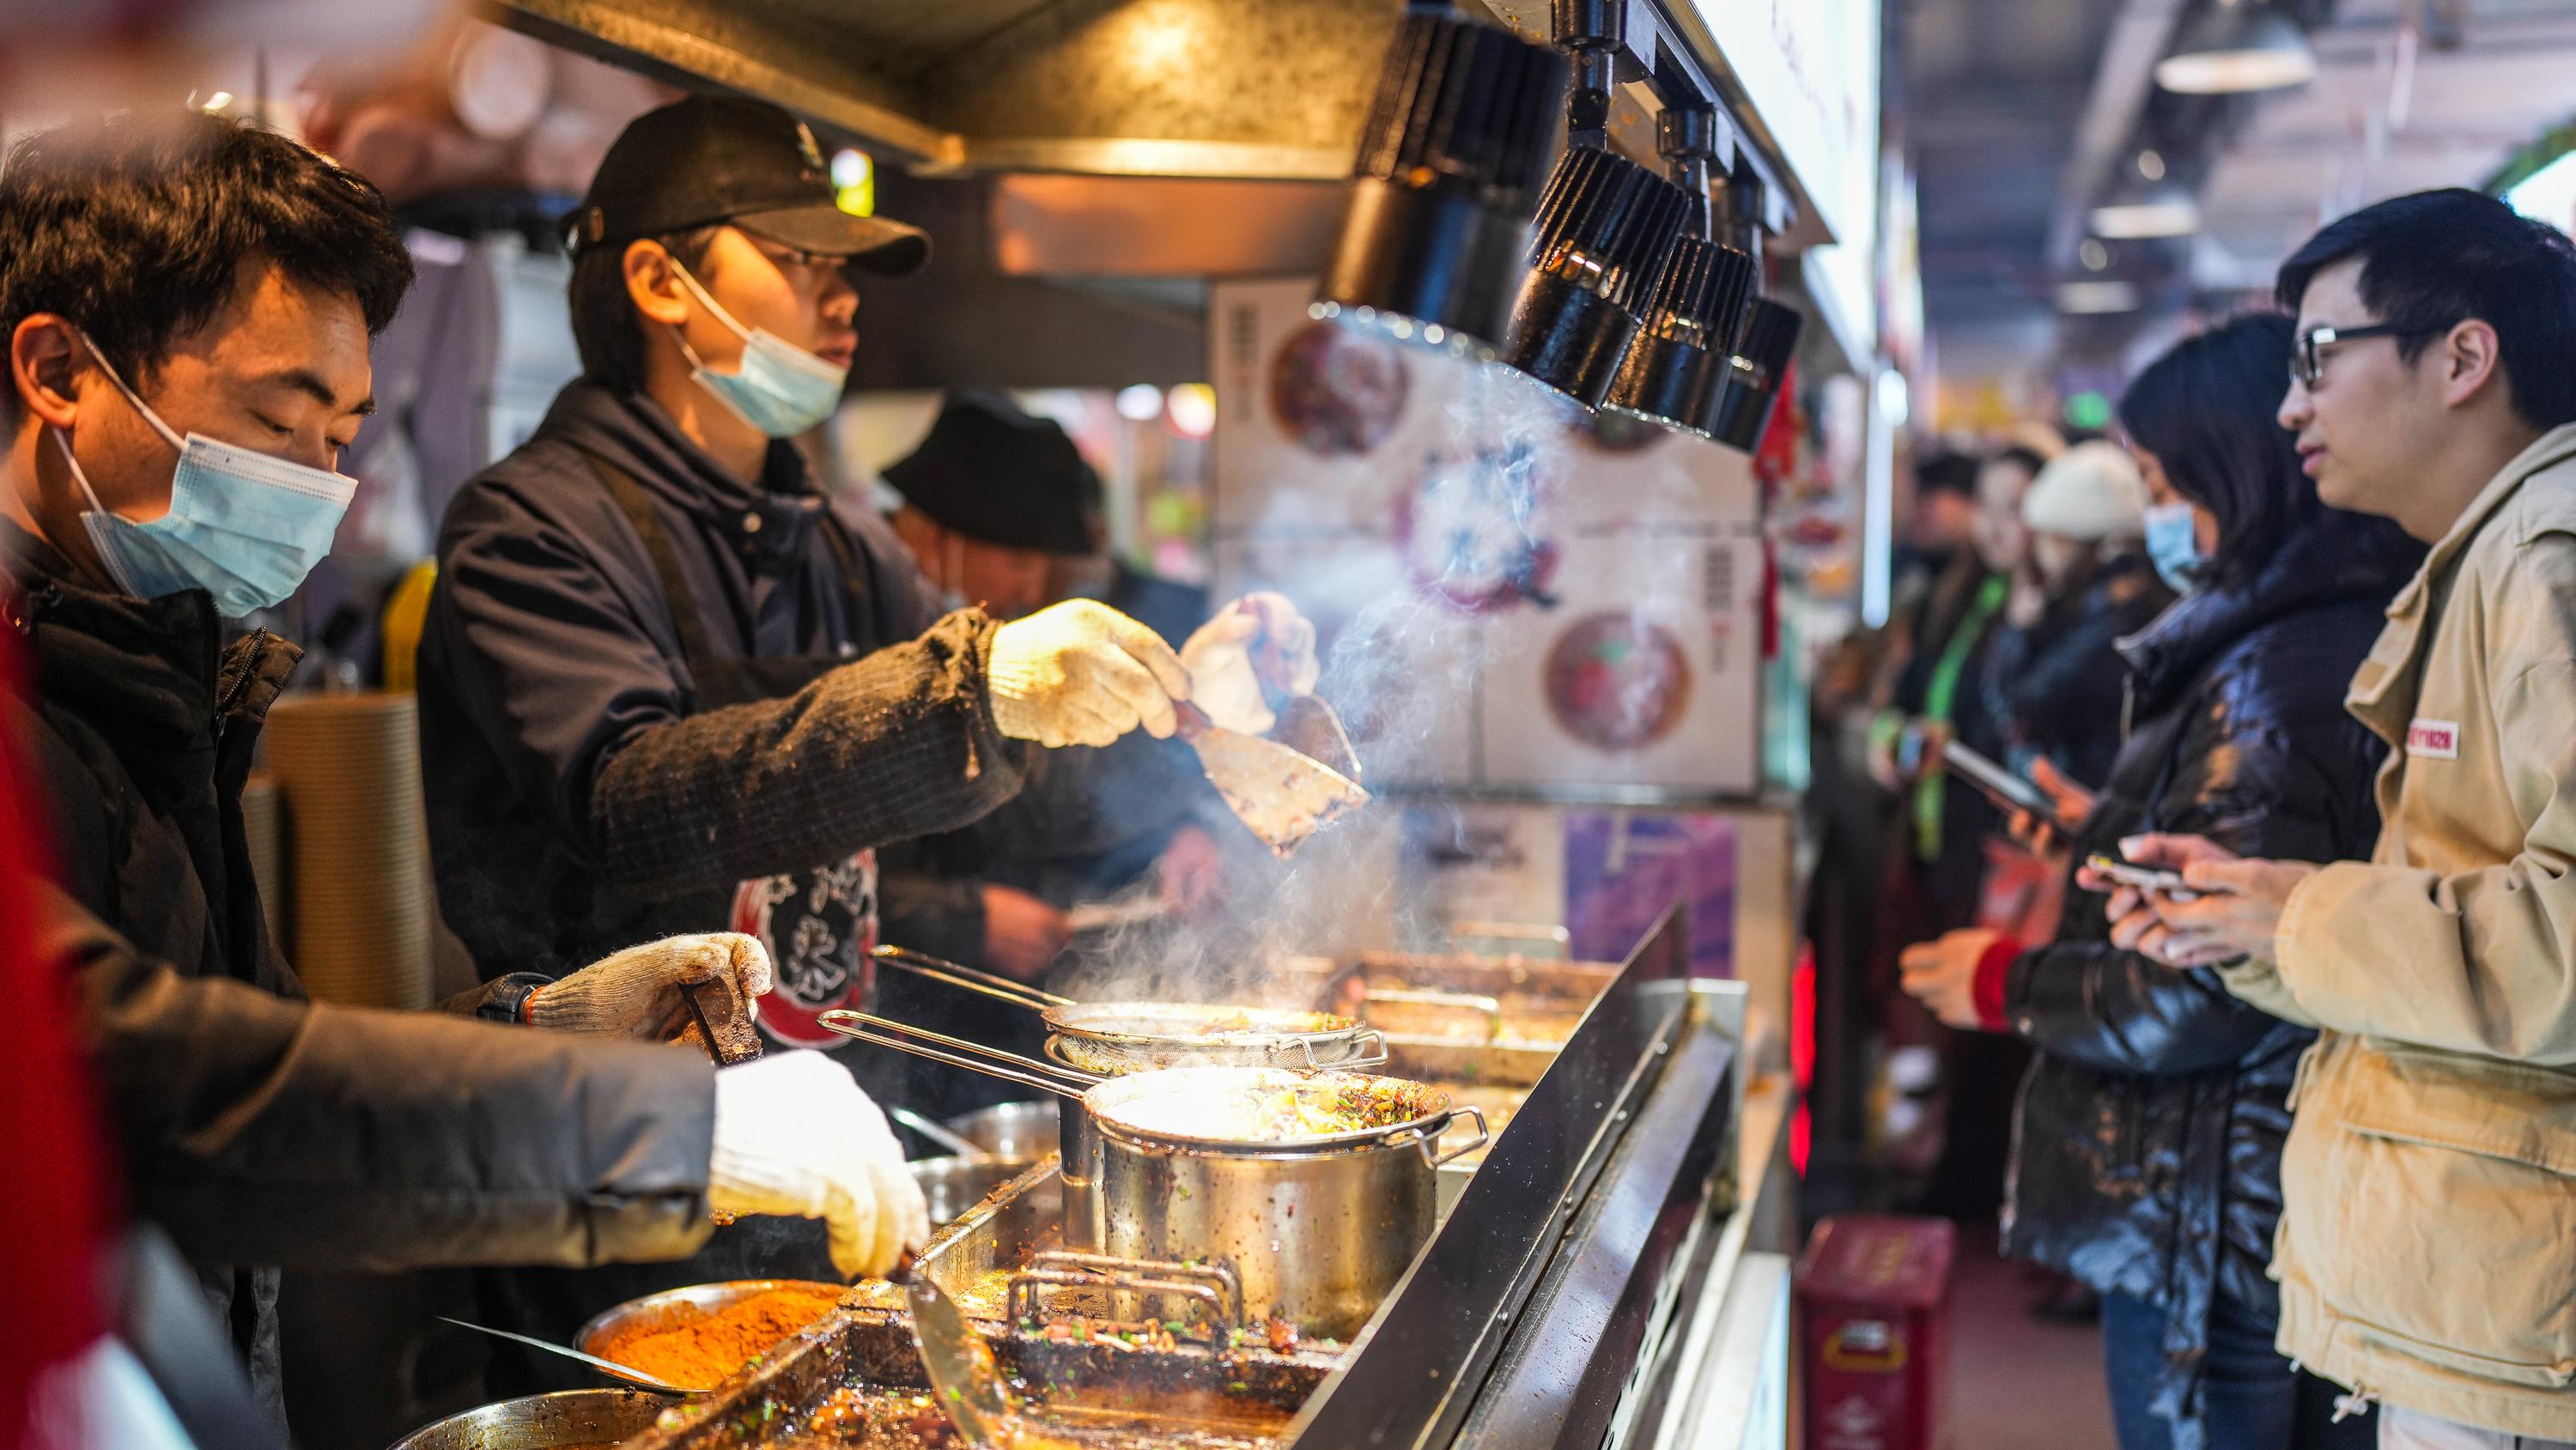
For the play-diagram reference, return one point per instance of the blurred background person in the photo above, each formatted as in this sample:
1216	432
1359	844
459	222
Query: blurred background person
2239	733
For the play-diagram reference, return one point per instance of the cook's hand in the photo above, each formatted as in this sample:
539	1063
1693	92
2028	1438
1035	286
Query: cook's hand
2236	913
1022	934
1191	870
795	1136
637	992
1081	673
1257	648
1942	975
2072	803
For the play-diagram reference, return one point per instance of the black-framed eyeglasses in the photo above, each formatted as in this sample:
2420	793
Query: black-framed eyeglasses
2308	350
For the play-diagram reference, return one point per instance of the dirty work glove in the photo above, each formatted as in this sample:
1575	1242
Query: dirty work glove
795	1136
1081	673
636	993
1256	649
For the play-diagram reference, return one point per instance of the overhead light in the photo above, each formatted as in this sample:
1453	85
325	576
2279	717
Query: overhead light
1604	223
2149	209
1432	238
2086	298
1760	365
2151	164
1141	402
1678	365
2238	45
1192	409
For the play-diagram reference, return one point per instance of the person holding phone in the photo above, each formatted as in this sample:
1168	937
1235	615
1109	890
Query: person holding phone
2423	1252
2148	1144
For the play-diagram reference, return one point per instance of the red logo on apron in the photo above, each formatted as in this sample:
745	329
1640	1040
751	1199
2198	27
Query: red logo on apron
820	927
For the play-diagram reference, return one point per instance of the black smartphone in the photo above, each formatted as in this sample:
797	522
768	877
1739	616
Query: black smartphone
2005	789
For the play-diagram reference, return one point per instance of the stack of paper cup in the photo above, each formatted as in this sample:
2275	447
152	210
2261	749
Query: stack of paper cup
267	833
349	767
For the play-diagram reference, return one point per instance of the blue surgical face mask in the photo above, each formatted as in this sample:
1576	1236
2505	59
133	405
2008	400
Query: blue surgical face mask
2173	542
778	387
245	527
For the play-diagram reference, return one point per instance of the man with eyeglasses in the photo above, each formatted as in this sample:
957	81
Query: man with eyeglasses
2427	1248
664	679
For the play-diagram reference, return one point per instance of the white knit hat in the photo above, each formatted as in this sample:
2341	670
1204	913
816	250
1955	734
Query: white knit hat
2092	491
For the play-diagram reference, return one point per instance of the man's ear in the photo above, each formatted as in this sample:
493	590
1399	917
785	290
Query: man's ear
46	356
2471	358
653	283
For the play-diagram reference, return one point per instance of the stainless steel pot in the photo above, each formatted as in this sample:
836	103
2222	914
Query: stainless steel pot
1376	1184
1317	1229
566	1420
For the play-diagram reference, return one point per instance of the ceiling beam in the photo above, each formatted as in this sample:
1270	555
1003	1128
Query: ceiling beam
2140	35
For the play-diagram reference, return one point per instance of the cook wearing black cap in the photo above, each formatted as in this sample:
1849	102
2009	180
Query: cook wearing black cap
661	679
995	503
991	499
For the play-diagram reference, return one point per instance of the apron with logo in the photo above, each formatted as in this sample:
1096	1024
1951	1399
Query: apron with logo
819	924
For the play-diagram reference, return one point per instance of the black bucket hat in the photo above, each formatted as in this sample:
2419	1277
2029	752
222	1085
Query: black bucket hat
991	472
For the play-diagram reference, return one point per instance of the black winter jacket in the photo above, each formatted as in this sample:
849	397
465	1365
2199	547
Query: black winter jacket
582	797
260	1129
2148	1143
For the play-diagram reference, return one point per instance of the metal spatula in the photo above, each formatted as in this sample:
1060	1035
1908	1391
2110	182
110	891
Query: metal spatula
963	1376
1312	728
1283	796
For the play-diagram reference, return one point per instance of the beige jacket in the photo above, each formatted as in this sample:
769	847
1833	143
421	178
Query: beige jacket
2427	1248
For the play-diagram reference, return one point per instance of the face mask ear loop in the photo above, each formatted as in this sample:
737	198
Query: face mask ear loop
709	302
131	396
78	477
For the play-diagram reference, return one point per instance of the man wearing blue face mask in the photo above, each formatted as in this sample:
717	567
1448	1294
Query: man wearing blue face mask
186	305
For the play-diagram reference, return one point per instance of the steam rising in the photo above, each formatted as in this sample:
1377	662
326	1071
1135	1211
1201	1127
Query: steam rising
1456	552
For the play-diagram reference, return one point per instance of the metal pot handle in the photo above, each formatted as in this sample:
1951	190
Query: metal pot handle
1214	1284
922	964
958	1052
1430	1138
1367	1045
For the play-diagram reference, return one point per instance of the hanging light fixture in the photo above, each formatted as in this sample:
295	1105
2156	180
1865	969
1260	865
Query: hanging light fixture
1768	336
1760	365
1433	234
2237	46
1604	223
1676	365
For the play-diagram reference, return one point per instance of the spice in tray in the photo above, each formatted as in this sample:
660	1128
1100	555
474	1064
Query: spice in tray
708	1350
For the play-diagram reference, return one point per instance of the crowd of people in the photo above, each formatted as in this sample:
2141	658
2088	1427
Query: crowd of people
2273	1065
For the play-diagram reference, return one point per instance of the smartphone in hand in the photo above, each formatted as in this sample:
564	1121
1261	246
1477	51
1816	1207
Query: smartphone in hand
2008	791
2167	884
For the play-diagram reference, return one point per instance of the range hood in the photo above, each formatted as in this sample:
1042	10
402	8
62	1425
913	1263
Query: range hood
1237	89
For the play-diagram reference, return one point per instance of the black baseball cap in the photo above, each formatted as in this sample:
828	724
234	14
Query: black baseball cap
714	159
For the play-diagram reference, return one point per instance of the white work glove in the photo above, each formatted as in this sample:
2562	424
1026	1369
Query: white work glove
795	1136
1081	673
1257	646
636	993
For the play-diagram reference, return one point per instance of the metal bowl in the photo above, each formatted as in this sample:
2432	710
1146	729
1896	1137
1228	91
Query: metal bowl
661	1311
952	1185
1025	1131
565	1420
